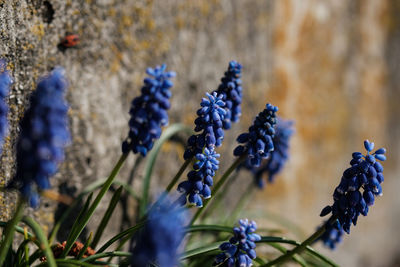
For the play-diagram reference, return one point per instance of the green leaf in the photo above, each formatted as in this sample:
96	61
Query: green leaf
130	231
200	251
68	262
86	217
151	160
8	233
83	250
107	254
44	245
89	189
84	209
113	203
208	228
296	258
271	239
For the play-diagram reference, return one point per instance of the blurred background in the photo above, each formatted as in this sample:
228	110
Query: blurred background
331	66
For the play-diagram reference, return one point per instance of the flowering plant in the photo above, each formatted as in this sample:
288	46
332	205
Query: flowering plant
165	232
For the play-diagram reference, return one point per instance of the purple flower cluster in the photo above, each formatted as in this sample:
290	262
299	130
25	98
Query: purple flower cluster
239	251
332	236
200	179
278	157
158	243
257	143
209	124
5	82
231	90
202	146
44	135
149	111
364	174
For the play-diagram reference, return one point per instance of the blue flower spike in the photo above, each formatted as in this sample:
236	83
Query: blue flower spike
258	142
5	82
158	243
209	124
231	90
274	164
240	250
43	138
202	147
359	186
149	111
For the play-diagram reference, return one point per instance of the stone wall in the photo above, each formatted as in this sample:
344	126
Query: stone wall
329	65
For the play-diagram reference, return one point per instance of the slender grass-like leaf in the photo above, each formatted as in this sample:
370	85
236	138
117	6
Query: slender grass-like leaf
85	246
89	189
130	231
86	217
106	254
107	215
21	253
68	262
84	209
296	258
151	160
8	233
44	245
200	251
259	260
208	228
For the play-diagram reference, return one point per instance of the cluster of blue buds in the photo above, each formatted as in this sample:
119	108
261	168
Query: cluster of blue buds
44	135
278	157
200	179
209	124
332	236
364	174
202	146
231	90
158	243
5	82
239	251
149	111
258	142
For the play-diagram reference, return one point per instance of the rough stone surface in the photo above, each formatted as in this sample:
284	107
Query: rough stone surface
330	65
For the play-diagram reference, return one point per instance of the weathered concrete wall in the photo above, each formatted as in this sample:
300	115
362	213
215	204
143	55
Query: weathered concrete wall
329	65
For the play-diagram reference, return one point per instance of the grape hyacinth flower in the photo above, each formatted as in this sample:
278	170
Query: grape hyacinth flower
332	236
202	146
278	157
365	174
209	124
149	111
5	82
44	135
257	143
239	251
200	179
231	90
158	242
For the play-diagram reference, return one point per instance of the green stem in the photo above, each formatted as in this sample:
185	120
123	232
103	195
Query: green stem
288	255
44	245
9	231
74	236
216	204
243	201
218	185
178	175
